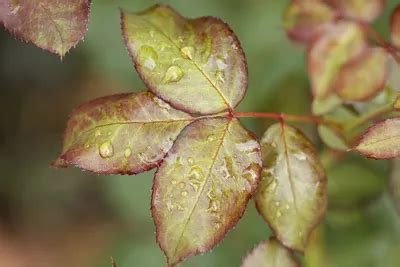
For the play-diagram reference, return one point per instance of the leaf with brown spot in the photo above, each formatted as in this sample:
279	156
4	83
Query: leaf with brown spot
125	133
340	43
202	187
381	141
270	254
292	196
307	18
364	10
395	27
197	65
363	78
54	25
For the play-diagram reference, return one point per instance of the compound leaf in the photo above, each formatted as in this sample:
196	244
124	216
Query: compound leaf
363	78
124	133
197	65
54	25
395	27
381	141
340	43
292	196
363	10
270	254
203	186
395	184
305	19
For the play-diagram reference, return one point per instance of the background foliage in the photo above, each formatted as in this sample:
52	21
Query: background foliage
70	218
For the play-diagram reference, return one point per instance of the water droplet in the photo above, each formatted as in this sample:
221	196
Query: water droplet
221	64
106	150
148	57
220	76
188	51
184	193
211	138
127	152
173	182
173	74
181	185
190	161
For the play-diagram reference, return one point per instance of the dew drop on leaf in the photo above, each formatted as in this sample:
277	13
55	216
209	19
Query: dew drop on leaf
128	152
173	74
188	51
148	56
106	150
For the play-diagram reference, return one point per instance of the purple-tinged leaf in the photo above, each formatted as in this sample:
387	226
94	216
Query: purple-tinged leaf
306	18
197	65
125	133
363	78
270	254
395	27
340	43
381	141
54	25
292	196
203	186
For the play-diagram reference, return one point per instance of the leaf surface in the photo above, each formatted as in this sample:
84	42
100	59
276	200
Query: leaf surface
304	19
197	65
203	186
270	254
124	133
364	77
292	196
364	10
381	141
395	27
54	25
340	43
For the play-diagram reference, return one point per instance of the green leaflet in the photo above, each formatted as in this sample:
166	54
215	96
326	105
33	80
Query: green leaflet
125	133
366	11
340	43
203	186
381	141
292	196
270	254
53	25
197	65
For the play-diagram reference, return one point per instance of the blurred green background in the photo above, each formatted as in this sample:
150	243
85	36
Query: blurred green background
69	218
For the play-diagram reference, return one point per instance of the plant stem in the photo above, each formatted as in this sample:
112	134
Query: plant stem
369	116
280	116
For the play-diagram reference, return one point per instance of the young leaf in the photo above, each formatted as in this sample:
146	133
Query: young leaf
326	105
125	133
54	25
197	65
270	254
292	196
395	184
381	141
203	186
364	10
395	27
340	43
332	138
363	78
304	19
